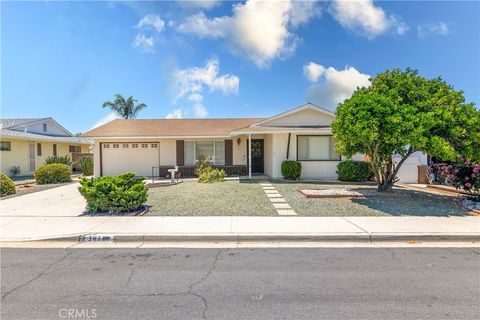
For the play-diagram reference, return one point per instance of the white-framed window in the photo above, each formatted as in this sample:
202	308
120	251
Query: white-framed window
5	146
45	127
74	149
144	145
134	145
154	145
213	151
125	145
316	148
116	145
106	146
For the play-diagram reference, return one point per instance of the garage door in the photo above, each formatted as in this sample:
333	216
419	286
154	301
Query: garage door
134	157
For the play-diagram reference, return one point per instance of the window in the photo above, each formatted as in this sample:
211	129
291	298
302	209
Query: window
316	148
105	146
44	127
115	146
154	145
5	146
75	149
125	145
54	150
39	149
213	151
144	145
134	145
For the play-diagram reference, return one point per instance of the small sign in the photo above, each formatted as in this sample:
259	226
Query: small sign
97	238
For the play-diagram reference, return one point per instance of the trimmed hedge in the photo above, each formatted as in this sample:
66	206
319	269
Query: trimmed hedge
291	170
210	175
123	193
350	170
7	187
53	173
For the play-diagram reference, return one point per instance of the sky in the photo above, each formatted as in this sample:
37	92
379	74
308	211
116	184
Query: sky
222	59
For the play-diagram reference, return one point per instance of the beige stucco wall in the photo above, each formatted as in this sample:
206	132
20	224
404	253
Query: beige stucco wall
19	156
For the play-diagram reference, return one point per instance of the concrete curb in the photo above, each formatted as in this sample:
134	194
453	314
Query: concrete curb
360	237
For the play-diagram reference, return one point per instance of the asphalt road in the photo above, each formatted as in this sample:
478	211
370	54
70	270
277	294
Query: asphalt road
352	283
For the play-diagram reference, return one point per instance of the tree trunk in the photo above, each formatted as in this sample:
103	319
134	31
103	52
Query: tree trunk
386	172
385	186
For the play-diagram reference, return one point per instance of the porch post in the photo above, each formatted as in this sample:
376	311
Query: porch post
250	156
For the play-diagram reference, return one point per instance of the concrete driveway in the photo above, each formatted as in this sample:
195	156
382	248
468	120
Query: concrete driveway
63	201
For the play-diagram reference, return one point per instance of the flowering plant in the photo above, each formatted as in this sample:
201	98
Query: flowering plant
465	176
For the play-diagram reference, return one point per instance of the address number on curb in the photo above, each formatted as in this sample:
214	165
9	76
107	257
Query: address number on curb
97	238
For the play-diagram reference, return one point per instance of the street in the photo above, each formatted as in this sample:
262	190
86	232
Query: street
270	283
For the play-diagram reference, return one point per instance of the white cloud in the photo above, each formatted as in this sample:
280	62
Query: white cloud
151	21
313	71
191	82
110	117
440	28
336	85
364	18
144	43
175	114
259	30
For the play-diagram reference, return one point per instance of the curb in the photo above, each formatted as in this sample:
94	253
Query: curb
458	237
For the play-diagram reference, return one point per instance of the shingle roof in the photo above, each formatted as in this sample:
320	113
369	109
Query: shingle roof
9	123
170	127
5	133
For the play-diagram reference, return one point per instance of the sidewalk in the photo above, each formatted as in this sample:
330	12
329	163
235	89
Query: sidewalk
241	228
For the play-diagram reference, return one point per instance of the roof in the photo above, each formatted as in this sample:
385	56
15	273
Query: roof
10	123
280	129
5	133
220	127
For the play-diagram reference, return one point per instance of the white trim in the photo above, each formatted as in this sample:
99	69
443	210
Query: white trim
250	156
326	131
301	108
38	137
59	126
156	137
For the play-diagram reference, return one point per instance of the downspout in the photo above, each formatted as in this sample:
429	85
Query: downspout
288	144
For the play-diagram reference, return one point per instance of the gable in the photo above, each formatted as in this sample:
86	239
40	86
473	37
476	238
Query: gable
306	116
52	128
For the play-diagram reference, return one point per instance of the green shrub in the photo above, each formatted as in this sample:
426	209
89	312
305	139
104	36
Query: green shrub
86	164
56	159
210	175
123	193
291	170
53	173
7	187
350	170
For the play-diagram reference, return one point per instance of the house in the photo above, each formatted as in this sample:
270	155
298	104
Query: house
149	147
27	143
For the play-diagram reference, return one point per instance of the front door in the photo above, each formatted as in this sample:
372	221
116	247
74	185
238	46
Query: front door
31	157
257	155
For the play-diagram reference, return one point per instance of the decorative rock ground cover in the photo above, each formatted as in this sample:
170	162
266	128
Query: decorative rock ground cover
336	192
470	205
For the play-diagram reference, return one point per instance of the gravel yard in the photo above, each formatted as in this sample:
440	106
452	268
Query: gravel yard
229	198
401	203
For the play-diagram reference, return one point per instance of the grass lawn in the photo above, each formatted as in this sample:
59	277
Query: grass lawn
402	203
229	198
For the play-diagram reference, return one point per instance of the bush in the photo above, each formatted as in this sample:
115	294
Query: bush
464	176
56	159
7	187
86	164
53	173
209	175
350	170
291	170
123	193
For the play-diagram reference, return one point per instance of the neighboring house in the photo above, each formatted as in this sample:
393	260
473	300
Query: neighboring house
151	147
27	143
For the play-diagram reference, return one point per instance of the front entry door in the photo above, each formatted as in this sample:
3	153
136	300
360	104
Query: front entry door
31	157
257	155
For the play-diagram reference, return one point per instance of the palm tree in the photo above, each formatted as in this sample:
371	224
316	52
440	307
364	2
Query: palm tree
124	108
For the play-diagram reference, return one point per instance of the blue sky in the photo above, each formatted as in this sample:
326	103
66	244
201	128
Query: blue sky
222	59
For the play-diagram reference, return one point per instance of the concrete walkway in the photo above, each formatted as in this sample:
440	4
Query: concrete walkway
64	201
242	228
278	202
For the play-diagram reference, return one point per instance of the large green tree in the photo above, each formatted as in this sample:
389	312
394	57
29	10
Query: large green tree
125	108
401	113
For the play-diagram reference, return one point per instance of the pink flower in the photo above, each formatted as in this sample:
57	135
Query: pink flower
474	175
468	185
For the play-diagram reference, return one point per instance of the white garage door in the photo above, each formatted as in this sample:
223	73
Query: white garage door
137	157
408	172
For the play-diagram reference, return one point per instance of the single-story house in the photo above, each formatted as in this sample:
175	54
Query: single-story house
27	143
149	147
